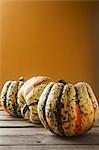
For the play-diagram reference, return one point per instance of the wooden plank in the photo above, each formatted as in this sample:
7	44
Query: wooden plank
97	123
6	116
51	147
23	131
10	118
3	113
1	109
17	124
31	131
91	138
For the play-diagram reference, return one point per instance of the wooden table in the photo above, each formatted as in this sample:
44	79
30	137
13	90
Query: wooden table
17	134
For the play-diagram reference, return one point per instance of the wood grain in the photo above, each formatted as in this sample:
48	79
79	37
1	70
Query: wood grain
90	138
10	118
17	123
50	147
19	134
36	131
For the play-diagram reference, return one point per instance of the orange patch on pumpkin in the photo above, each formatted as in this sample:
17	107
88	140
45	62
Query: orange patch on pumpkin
14	100
6	110
79	121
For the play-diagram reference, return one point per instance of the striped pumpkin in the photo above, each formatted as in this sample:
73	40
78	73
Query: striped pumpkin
67	109
28	97
9	97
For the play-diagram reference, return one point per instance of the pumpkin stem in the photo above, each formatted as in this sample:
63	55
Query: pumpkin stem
21	79
62	81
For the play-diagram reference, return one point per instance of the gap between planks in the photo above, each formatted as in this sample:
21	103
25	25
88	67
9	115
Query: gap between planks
30	131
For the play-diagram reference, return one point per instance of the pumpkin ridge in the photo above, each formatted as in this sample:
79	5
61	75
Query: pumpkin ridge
51	115
42	105
93	108
71	104
90	97
19	84
68	113
4	94
11	97
16	92
58	112
86	107
43	108
15	101
78	128
65	105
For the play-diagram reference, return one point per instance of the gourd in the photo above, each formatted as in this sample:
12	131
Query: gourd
0	100
67	109
28	97
9	97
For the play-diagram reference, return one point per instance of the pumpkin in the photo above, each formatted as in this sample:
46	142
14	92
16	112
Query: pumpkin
9	97
0	100
67	109
28	97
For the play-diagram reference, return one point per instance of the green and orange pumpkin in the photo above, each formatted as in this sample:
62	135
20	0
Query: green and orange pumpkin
67	109
9	97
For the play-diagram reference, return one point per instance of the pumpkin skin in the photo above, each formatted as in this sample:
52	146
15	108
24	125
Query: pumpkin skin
28	97
0	100
67	109
9	97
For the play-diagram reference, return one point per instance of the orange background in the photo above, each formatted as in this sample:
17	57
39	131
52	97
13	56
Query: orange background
48	38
